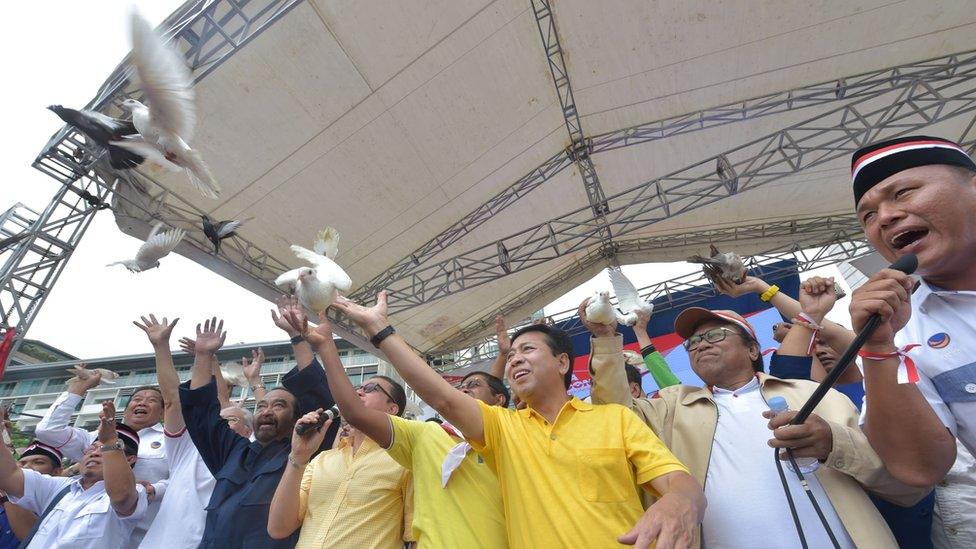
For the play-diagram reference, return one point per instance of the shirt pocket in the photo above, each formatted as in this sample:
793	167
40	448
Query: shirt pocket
90	521
601	471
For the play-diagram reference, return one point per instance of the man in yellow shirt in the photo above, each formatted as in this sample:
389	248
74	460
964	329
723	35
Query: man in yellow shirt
354	495
457	500
569	471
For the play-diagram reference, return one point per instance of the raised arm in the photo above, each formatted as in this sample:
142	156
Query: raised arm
55	429
504	345
653	360
210	338
120	482
455	406
11	476
303	351
252	371
373	423
287	508
169	381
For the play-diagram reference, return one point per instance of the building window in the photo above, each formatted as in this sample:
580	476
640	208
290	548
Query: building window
28	387
7	389
56	385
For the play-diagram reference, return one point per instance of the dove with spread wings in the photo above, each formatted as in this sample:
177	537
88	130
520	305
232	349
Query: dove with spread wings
316	287
157	246
629	302
167	122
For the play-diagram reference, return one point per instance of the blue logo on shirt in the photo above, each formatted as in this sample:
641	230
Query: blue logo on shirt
939	340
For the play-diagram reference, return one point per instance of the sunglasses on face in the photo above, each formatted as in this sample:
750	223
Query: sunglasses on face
712	336
372	387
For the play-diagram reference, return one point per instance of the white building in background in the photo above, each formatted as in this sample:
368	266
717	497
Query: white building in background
31	385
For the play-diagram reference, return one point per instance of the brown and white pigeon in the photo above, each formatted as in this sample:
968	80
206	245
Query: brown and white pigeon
81	372
725	265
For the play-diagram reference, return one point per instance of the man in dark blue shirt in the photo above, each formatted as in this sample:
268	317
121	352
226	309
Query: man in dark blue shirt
247	472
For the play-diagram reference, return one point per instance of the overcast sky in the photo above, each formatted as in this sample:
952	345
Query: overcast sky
61	52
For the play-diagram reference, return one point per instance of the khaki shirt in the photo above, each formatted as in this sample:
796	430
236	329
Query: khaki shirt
685	418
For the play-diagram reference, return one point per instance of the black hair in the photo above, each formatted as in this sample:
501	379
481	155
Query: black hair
757	364
558	342
296	410
397	392
496	385
147	388
633	375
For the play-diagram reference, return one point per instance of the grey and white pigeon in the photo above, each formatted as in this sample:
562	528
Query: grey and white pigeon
316	287
599	310
220	230
108	376
157	246
629	302
727	266
102	129
167	123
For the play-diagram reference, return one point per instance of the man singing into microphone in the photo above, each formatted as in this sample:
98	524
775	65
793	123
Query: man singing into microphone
917	195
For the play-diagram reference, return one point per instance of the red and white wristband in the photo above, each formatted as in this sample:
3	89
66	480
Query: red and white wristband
907	372
806	320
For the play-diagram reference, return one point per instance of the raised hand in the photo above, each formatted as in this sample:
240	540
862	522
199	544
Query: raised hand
106	423
157	332
371	319
751	285
188	345
252	366
211	337
817	297
303	446
597	329
83	380
501	334
286	304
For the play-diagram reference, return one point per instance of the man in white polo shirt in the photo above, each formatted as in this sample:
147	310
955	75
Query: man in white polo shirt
142	413
917	195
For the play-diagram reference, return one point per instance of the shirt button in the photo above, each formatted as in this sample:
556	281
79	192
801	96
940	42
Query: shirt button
552	437
971	388
839	463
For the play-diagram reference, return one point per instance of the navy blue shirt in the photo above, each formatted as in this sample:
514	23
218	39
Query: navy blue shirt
7	538
247	472
911	526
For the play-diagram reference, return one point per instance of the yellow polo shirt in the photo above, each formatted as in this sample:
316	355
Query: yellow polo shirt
362	500
576	482
468	511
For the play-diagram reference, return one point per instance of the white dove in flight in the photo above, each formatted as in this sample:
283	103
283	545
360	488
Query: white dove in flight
167	123
233	373
629	302
316	287
157	246
599	310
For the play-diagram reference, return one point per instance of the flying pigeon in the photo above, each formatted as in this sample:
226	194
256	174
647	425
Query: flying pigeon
599	310
727	266
220	231
233	373
316	287
108	376
167	123
102	129
629	303
156	247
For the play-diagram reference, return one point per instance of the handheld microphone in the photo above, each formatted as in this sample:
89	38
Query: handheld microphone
906	264
331	413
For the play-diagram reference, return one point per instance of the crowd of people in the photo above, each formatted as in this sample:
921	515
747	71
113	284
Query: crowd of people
884	460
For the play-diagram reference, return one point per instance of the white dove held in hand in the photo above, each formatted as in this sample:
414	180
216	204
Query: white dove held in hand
317	287
629	302
108	376
157	246
599	310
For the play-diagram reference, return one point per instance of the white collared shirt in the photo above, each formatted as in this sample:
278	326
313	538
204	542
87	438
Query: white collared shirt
743	489
83	519
182	516
943	323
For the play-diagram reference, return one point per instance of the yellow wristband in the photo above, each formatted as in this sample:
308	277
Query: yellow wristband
768	294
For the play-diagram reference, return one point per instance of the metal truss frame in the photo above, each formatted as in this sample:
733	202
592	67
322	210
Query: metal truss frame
694	287
850	88
802	233
903	108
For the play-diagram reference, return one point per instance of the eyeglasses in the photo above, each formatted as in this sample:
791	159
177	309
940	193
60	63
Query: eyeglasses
471	385
372	387
712	336
232	419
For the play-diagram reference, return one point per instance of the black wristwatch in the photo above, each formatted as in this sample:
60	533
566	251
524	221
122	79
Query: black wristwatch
381	335
297	339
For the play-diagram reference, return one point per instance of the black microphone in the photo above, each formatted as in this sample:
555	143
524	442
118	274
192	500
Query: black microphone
906	264
331	413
